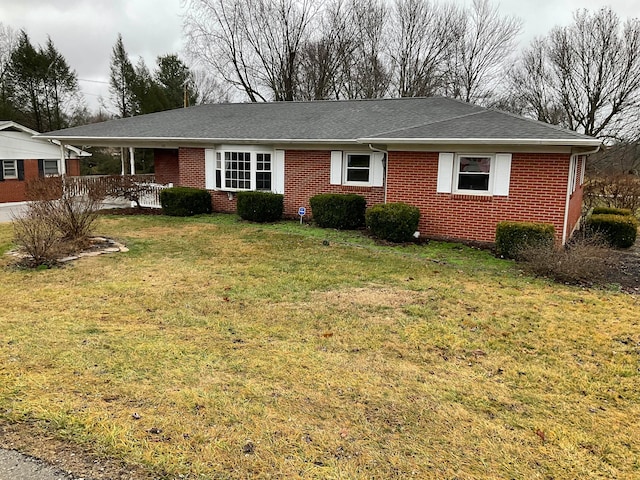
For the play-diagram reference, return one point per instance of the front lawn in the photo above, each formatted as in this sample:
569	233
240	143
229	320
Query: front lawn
221	349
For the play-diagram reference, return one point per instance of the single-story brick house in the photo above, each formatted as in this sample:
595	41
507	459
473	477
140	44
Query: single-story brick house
23	158
464	166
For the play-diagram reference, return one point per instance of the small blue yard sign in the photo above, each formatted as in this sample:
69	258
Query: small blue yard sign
302	211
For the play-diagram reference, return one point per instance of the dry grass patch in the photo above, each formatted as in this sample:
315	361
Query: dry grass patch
253	352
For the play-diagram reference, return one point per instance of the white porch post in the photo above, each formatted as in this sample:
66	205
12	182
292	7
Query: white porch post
132	161
122	161
63	162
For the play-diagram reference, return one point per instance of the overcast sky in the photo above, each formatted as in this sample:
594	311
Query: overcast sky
84	31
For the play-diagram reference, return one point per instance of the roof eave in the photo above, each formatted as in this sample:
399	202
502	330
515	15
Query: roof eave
577	142
174	142
167	142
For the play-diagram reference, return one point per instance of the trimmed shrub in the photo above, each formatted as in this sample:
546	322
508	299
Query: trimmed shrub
611	211
395	222
260	206
618	230
185	201
341	211
514	237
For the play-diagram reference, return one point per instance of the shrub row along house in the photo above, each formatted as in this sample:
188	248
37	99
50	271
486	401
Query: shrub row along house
23	158
466	167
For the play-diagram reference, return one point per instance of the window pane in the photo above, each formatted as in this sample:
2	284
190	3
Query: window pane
50	167
361	161
358	175
263	181
237	173
9	169
473	182
475	164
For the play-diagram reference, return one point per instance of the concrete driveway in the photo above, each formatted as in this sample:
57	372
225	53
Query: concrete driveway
7	209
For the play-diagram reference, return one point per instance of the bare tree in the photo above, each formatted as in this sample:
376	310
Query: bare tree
590	71
253	44
8	42
365	71
477	57
207	89
532	88
323	58
421	33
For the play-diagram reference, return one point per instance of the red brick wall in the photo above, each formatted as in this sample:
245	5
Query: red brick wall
191	167
537	193
306	173
13	190
166	166
73	167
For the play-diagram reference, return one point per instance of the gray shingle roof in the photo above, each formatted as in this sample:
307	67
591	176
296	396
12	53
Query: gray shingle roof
405	120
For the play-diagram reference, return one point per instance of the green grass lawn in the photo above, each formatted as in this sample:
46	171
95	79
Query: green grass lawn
258	351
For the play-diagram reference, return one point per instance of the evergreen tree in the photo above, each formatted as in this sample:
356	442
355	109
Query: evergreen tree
176	81
41	87
122	81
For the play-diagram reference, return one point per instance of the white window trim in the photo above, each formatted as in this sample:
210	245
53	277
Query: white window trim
15	169
253	151
456	173
44	168
345	168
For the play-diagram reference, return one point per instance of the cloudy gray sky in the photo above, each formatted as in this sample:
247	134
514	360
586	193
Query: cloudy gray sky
84	31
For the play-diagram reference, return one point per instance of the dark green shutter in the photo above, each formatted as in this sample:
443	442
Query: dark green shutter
1	171
41	168
20	169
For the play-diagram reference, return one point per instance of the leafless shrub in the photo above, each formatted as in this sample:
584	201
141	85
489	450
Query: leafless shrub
129	187
38	237
583	260
619	190
53	201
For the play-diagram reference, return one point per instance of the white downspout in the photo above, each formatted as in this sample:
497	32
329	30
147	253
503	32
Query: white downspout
385	161
63	162
569	192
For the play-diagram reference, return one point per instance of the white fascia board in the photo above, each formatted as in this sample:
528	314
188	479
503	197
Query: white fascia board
586	142
174	142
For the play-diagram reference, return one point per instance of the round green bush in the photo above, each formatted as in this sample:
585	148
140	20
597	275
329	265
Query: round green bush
395	222
514	237
185	201
340	211
618	230
260	206
611	211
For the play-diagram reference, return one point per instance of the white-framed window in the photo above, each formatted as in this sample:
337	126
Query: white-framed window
50	167
473	173
237	170
9	169
263	171
357	168
240	168
365	168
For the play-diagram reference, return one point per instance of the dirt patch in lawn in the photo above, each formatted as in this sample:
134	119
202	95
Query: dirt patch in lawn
625	270
67	456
